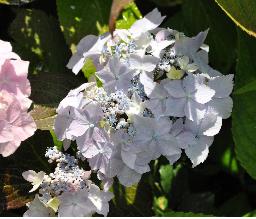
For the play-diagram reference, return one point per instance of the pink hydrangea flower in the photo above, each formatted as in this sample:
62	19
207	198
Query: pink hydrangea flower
13	79
6	51
16	125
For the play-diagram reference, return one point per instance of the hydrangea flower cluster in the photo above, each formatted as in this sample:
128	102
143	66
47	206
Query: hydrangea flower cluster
16	124
159	98
67	191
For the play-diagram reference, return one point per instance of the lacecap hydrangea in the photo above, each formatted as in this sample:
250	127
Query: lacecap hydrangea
158	97
16	124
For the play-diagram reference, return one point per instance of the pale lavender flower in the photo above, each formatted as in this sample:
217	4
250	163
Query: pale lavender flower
151	21
74	122
154	139
116	76
221	103
203	130
97	148
189	96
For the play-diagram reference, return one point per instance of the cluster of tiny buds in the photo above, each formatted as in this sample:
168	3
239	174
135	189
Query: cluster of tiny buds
67	176
114	106
118	48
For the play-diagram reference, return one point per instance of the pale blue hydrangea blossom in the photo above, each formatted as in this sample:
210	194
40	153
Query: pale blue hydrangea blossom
159	98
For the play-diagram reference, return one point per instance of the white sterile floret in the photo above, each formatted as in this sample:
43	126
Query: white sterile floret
203	130
188	97
116	76
84	203
151	21
222	103
35	178
73	122
154	139
76	204
97	149
36	208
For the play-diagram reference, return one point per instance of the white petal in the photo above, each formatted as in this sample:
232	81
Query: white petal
222	106
169	146
175	107
29	175
203	94
185	138
223	85
128	177
215	129
210	124
146	63
76	63
147	80
173	158
157	107
129	158
194	111
189	46
197	153
183	62
86	43
149	22
175	88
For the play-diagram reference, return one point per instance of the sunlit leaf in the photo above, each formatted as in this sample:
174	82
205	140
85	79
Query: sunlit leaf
15	2
79	18
242	13
38	38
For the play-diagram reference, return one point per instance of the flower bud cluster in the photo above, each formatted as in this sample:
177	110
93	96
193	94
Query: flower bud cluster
66	191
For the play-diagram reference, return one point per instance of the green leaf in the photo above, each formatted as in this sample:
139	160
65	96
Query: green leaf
56	142
89	69
170	213
229	161
167	3
132	201
198	15
242	13
38	38
130	14
241	203
167	174
15	2
249	87
250	214
244	111
79	18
